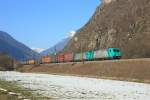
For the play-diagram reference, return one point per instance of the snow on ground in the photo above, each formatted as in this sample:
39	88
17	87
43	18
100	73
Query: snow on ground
79	88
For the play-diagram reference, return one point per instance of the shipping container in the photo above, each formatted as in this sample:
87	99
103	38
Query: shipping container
101	54
31	62
78	56
89	55
68	57
53	58
60	58
46	59
84	56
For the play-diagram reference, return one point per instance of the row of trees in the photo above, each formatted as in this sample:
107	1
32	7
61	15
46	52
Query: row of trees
6	62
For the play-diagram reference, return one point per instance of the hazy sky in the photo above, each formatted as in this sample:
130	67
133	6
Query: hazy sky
42	23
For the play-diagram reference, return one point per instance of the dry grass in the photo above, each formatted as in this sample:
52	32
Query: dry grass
130	70
4	96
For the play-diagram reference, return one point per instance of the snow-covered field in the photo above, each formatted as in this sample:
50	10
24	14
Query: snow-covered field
79	88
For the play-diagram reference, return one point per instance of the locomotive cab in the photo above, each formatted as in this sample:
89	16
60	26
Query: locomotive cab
114	53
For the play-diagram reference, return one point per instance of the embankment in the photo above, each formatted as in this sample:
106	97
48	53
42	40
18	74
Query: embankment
131	69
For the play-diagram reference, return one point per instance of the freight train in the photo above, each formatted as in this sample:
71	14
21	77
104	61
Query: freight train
110	53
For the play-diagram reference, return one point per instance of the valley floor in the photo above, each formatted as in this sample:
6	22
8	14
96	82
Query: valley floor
137	70
76	88
11	90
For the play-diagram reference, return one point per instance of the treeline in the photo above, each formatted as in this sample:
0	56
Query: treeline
6	62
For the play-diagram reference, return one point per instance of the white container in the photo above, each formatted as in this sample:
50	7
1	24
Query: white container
100	54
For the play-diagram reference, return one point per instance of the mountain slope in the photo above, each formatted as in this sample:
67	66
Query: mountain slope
117	23
58	47
14	48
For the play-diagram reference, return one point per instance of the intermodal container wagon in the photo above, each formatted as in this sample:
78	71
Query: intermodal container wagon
31	62
53	58
46	59
101	54
60	58
89	55
68	57
78	56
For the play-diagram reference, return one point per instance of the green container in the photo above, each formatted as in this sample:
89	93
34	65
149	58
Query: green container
89	55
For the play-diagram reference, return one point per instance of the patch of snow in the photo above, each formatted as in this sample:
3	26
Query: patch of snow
1	89
70	87
71	34
12	93
38	50
107	1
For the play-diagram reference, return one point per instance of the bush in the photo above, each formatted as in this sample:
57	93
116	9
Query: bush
6	62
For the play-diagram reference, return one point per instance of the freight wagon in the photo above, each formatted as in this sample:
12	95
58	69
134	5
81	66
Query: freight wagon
60	58
53	58
46	59
31	62
88	56
68	57
78	57
101	54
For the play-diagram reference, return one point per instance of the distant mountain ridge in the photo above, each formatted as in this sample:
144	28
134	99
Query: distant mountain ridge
38	50
56	48
14	48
